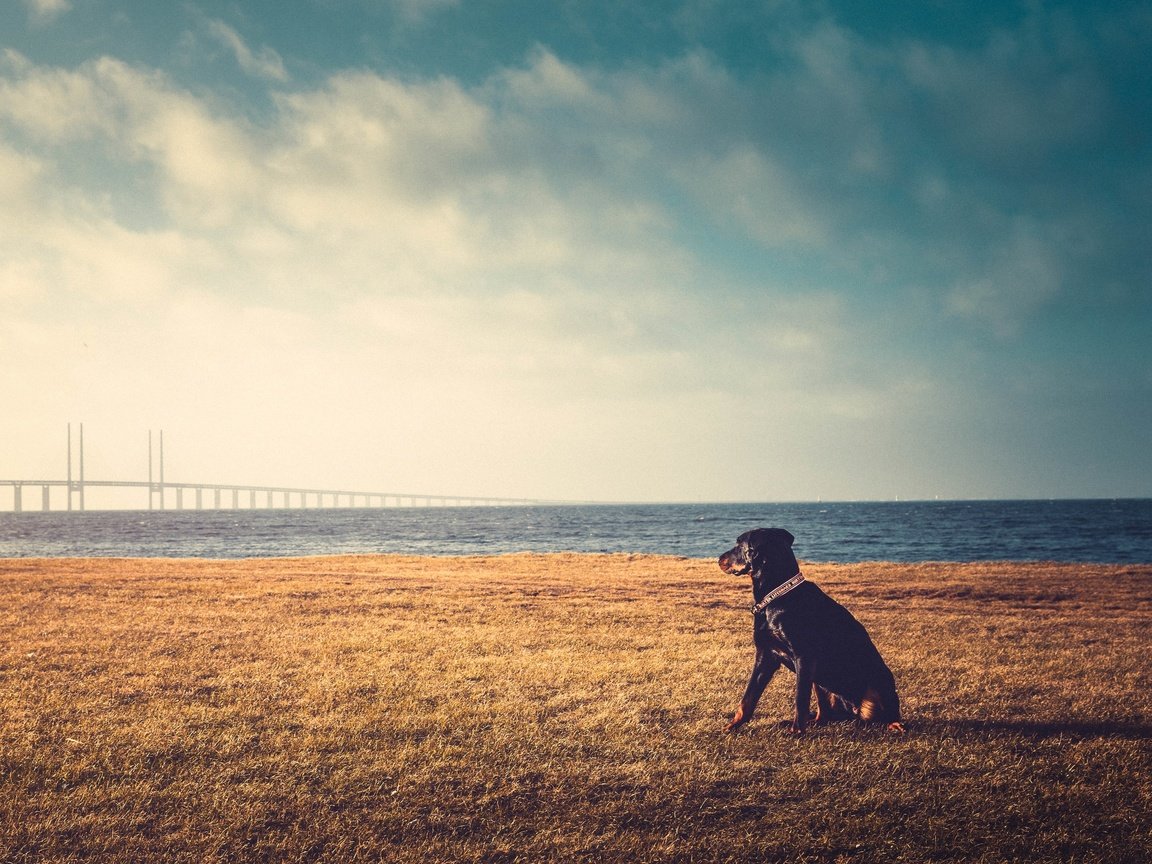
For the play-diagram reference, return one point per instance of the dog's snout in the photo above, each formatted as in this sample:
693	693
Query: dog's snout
732	563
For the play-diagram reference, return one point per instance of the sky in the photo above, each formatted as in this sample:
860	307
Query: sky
687	250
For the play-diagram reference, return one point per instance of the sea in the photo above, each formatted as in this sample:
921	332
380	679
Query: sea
1102	531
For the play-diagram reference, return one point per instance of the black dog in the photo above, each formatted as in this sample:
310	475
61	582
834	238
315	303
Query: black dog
799	626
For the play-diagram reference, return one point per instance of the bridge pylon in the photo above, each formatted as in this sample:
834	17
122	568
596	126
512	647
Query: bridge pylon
76	487
155	489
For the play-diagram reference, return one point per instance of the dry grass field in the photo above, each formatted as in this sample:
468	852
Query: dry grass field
558	708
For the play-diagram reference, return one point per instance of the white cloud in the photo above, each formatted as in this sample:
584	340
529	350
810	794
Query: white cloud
1013	102
19	173
494	280
745	189
54	104
44	11
264	63
1023	273
368	257
416	11
547	81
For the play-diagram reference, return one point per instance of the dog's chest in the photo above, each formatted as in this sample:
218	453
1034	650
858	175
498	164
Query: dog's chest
771	639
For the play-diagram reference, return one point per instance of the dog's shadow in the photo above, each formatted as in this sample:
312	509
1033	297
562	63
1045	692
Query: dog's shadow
1037	730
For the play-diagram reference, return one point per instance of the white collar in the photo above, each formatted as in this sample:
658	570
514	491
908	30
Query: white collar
778	591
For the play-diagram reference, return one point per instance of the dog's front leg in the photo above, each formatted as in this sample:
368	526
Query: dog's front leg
805	671
762	671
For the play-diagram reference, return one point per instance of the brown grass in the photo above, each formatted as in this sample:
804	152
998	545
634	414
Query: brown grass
559	707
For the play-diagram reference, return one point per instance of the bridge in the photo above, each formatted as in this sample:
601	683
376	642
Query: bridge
164	494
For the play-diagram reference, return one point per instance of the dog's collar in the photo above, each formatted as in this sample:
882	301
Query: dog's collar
778	591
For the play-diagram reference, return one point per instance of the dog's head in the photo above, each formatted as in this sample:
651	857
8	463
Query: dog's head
761	551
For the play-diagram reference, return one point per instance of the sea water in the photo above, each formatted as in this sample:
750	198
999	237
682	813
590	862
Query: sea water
1106	531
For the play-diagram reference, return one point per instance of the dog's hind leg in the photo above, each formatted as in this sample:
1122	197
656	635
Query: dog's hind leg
895	724
830	707
823	706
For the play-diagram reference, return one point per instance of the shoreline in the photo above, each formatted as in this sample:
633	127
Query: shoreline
558	554
513	562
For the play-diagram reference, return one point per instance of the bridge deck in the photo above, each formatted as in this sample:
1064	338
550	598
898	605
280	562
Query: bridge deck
157	494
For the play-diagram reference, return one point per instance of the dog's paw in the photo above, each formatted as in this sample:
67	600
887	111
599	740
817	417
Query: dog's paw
897	728
732	727
796	728
738	719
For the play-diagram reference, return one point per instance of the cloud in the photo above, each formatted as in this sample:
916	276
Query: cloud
549	180
1023	274
264	63
748	191
548	175
44	11
1016	103
556	271
415	11
410	244
363	187
53	104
